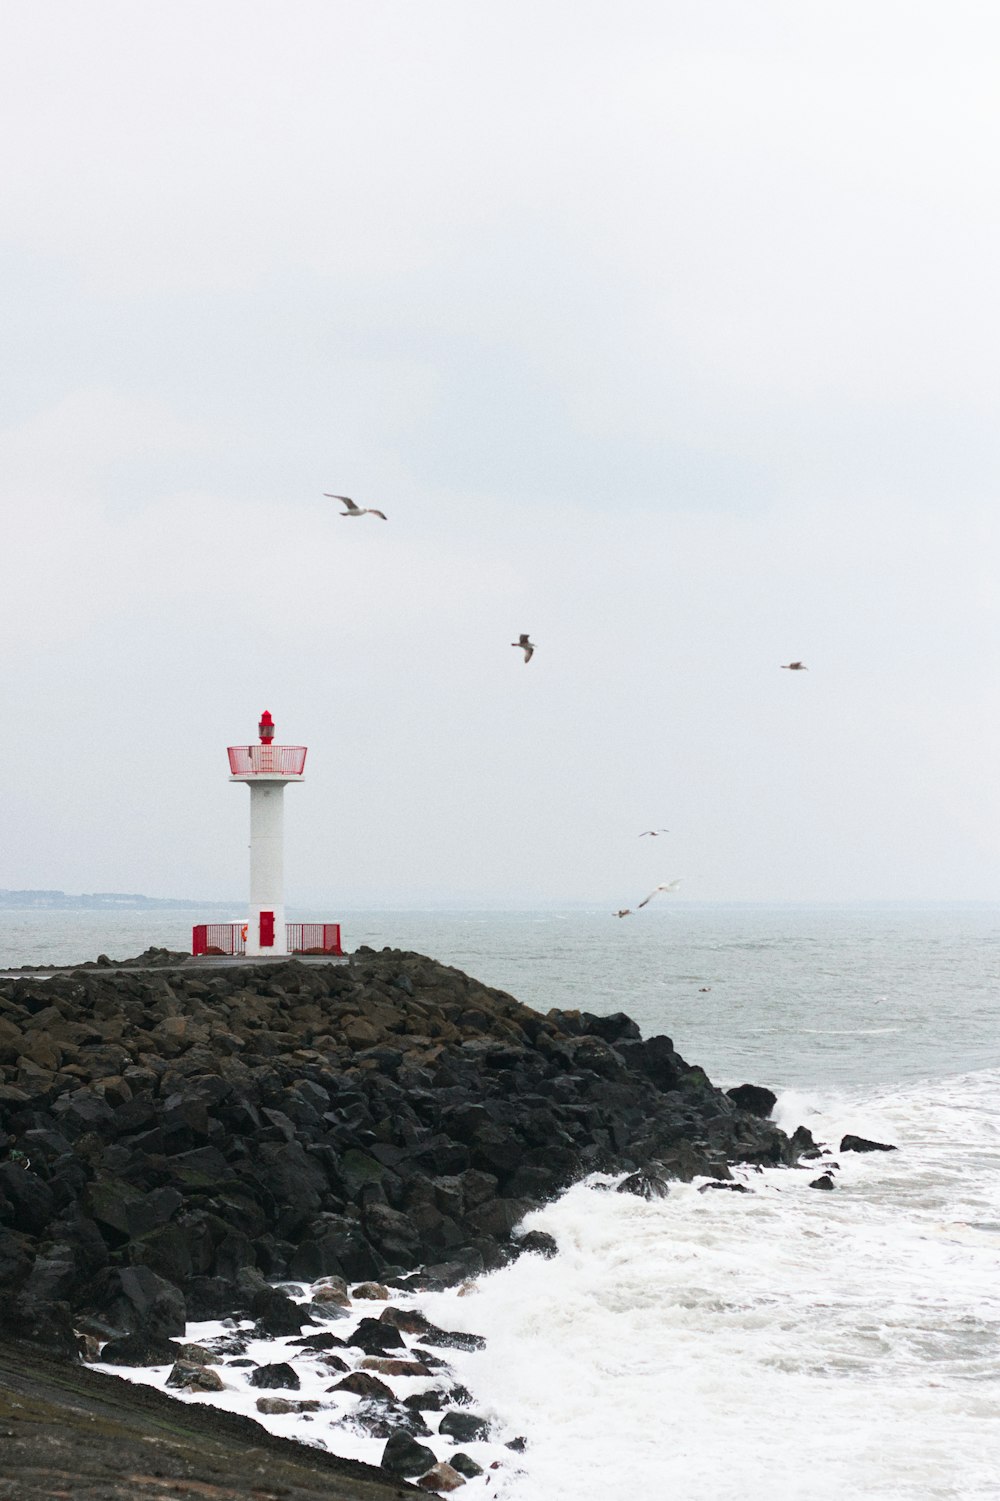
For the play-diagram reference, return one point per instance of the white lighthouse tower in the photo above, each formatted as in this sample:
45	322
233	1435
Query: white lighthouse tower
267	770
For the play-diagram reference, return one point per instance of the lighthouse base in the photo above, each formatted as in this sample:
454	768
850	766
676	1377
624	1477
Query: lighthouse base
299	940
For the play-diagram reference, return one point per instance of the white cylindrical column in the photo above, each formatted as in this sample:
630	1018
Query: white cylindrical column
267	869
266	769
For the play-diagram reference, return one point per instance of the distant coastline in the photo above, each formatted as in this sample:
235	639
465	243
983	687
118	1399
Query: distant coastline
89	901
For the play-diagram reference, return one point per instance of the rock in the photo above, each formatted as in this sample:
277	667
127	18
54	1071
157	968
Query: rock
825	1182
388	1367
276	1313
754	1099
538	1242
332	1290
644	1186
441	1478
861	1144
375	1337
429	1401
463	1427
465	1465
278	1405
364	1384
403	1456
451	1339
278	1374
191	1377
374	1290
142	1350
138	1301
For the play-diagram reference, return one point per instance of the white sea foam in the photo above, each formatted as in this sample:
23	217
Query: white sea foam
785	1343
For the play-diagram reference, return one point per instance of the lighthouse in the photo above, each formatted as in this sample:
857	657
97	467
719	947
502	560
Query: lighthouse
267	769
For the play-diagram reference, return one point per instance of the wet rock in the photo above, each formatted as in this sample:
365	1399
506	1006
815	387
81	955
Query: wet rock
375	1337
465	1465
644	1186
188	1376
441	1478
279	1374
388	1367
754	1099
373	1290
136	1300
463	1427
403	1456
825	1182
861	1144
142	1350
276	1406
276	1313
451	1339
538	1242
364	1384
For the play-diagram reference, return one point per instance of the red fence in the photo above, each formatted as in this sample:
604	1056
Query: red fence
267	760
314	937
230	938
219	938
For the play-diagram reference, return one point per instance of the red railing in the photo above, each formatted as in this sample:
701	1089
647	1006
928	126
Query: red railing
219	938
229	938
267	760
314	937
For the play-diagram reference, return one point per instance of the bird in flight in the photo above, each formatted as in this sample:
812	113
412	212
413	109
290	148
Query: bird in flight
525	645
795	666
663	886
653	833
352	509
622	912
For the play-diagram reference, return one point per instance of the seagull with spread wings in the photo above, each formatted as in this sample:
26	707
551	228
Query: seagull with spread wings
663	886
525	645
653	833
354	510
795	667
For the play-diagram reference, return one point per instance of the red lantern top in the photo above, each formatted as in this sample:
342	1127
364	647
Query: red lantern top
266	728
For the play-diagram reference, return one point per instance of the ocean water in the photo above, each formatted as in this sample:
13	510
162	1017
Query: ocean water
783	1343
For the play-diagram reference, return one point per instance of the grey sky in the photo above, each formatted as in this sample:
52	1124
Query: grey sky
665	332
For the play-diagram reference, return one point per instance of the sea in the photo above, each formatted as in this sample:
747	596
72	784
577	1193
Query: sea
785	1342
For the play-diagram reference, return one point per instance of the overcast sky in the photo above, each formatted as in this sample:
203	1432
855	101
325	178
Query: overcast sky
667	332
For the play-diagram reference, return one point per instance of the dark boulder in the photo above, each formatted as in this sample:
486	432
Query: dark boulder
644	1186
276	1313
539	1242
861	1144
402	1455
137	1301
463	1427
753	1098
278	1375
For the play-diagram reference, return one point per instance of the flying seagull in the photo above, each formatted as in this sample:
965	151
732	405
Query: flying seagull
352	509
795	666
654	833
525	645
622	912
663	886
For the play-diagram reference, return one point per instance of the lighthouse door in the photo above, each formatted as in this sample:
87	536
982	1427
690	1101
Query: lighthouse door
267	930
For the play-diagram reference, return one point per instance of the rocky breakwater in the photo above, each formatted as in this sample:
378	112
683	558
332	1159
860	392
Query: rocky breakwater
174	1140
